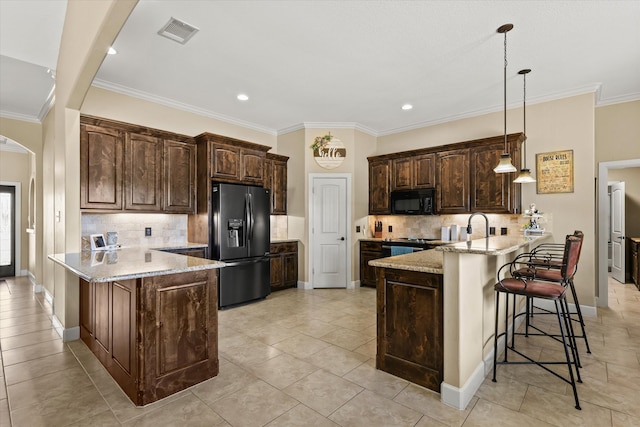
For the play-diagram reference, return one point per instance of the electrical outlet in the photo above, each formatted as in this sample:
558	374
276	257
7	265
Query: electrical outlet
357	228
390	229
492	231
147	231
503	231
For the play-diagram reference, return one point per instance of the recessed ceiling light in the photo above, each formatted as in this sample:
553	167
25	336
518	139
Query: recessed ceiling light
112	51
407	107
243	97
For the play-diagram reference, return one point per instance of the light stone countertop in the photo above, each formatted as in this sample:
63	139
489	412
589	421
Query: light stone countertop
133	263
187	245
429	261
284	240
495	245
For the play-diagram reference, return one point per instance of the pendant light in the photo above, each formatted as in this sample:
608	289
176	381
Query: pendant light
525	174
505	164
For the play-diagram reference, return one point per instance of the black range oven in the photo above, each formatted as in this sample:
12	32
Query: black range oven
400	246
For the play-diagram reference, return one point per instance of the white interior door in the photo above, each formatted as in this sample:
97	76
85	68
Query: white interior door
329	233
618	245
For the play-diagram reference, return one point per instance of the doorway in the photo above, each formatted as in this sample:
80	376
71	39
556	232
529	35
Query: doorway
329	230
618	243
7	230
602	299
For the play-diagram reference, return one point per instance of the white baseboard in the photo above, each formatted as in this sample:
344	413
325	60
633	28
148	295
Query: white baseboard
47	296
70	334
587	310
24	273
304	285
354	284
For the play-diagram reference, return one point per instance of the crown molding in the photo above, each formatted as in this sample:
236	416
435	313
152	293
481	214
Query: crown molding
17	116
619	99
328	125
48	104
179	106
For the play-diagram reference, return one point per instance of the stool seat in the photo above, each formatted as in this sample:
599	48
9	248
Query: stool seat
539	273
531	288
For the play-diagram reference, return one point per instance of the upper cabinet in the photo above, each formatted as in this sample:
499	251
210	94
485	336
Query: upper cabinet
275	179
179	177
413	172
136	169
452	192
379	186
233	160
461	173
101	151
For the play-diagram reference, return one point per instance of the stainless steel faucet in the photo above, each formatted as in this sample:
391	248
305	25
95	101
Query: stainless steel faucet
470	230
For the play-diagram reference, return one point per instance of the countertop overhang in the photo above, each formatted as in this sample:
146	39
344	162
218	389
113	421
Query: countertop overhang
131	263
428	261
496	245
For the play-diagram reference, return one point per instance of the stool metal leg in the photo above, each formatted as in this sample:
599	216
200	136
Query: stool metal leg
574	295
566	351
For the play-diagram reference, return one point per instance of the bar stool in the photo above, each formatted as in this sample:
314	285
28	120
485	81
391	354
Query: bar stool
531	288
544	263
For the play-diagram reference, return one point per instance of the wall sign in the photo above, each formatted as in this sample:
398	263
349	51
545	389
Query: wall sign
554	172
331	154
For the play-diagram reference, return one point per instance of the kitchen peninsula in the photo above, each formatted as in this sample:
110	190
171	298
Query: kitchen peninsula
150	317
436	311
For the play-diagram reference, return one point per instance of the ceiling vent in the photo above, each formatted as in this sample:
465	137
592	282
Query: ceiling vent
178	31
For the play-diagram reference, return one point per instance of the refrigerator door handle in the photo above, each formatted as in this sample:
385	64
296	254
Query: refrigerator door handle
251	224
235	264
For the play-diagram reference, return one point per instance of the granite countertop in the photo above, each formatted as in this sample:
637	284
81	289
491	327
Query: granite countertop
391	241
496	245
429	261
284	240
187	245
133	263
635	239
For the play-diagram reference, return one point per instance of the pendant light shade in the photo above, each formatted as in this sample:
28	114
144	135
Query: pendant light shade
505	164
525	174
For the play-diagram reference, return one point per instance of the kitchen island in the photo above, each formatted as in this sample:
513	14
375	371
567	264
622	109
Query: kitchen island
150	317
435	312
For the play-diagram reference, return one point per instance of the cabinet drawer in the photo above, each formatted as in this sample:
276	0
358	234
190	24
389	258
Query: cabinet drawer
279	248
371	246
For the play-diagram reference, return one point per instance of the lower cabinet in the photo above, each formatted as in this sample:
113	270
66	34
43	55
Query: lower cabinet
635	266
284	265
154	335
369	251
410	321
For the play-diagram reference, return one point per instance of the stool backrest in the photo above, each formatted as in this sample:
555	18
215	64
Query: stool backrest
572	247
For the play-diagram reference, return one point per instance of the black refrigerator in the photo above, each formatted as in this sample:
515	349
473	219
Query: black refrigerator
240	237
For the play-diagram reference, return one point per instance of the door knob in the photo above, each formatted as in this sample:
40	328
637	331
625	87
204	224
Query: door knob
342	238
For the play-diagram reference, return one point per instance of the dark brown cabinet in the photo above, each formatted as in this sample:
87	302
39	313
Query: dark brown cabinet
493	192
154	335
275	179
635	266
410	322
368	252
233	160
284	265
179	177
136	169
452	191
462	174
142	173
414	172
101	150
379	187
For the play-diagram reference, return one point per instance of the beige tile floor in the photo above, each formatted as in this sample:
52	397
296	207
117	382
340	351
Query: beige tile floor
306	358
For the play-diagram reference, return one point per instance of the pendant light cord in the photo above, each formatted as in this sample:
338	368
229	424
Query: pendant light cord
524	118
505	91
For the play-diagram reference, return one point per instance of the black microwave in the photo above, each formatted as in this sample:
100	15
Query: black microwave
413	202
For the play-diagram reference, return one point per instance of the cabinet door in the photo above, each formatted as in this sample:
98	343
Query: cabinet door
277	274
179	177
424	171
490	191
290	269
634	263
279	188
225	162
100	167
453	181
402	173
268	175
252	169
367	272
143	173
379	187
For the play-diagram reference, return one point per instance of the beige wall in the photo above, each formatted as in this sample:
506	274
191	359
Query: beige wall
16	167
565	124
617	130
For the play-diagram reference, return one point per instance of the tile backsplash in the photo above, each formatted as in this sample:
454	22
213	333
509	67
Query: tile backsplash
430	226
166	230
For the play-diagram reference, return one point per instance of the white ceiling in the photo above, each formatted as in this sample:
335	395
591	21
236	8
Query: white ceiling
333	63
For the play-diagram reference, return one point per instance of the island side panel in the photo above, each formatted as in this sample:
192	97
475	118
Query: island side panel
410	326
178	320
